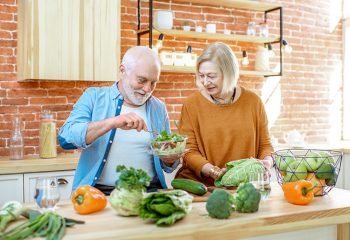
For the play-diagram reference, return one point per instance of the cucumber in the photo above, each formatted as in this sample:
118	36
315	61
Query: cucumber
190	186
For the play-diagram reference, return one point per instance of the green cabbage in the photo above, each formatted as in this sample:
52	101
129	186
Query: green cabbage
126	202
238	172
165	208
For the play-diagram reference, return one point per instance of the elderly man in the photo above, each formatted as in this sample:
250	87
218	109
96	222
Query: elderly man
113	125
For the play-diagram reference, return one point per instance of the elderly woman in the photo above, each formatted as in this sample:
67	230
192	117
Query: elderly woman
223	121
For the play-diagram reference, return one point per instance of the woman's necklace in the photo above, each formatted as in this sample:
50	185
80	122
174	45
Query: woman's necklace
230	101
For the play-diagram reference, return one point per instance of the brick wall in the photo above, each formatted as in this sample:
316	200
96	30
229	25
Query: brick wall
307	97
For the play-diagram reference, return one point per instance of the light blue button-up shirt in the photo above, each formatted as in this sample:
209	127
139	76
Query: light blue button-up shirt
98	104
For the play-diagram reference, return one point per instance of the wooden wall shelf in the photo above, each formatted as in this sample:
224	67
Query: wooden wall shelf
175	69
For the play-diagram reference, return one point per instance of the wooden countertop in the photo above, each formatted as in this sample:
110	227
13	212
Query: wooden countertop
35	164
274	216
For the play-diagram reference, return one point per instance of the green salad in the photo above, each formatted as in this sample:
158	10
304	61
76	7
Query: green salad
169	144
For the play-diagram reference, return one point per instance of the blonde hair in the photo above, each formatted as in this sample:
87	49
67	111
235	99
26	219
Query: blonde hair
222	55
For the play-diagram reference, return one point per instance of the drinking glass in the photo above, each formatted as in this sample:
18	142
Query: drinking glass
261	181
46	192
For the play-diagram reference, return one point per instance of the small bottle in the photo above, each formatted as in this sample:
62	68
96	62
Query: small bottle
47	135
191	58
16	140
159	43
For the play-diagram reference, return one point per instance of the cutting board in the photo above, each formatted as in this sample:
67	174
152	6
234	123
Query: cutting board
205	197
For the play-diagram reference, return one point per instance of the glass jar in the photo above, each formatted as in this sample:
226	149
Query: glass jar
47	135
16	140
264	30
251	29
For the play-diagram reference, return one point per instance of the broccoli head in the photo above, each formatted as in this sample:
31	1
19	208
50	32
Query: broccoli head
247	198
219	204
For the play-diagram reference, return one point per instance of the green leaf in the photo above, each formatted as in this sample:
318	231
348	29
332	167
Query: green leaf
132	179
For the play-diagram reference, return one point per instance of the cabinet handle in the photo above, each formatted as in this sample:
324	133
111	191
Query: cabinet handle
62	181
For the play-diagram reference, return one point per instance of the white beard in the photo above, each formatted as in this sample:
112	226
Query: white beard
130	93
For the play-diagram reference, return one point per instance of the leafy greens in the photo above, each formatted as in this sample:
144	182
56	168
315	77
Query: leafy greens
165	208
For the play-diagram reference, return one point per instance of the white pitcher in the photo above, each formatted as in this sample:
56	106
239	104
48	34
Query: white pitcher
294	138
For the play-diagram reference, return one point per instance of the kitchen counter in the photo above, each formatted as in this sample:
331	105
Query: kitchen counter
35	164
274	216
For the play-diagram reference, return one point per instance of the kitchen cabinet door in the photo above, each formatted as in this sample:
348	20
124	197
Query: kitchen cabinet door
65	181
344	179
68	40
11	188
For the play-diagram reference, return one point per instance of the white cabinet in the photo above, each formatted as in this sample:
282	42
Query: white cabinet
11	188
343	178
64	178
21	187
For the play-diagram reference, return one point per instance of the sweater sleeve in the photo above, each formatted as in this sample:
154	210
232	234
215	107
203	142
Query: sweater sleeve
193	159
265	147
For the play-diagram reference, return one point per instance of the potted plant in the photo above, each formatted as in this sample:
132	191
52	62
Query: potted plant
186	26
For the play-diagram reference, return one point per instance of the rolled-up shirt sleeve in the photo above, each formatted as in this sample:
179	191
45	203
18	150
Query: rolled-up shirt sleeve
72	134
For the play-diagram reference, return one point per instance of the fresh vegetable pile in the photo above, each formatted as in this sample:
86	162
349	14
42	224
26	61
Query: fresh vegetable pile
48	224
318	166
128	192
221	203
169	145
165	208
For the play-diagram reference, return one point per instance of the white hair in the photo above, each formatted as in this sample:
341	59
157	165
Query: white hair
133	54
222	55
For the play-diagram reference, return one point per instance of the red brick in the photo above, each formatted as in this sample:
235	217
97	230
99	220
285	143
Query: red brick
2	93
29	109
57	84
4	151
15	101
10	26
20	85
57	108
8	2
5	51
7	68
30	133
5	34
29	150
8	109
31	141
26	93
2	142
48	100
64	92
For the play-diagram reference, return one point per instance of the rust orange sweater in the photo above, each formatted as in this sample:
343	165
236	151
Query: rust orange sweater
219	134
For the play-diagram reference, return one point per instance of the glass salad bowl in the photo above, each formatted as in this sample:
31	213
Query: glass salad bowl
169	145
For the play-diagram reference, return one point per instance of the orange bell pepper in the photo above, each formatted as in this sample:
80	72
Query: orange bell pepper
87	199
299	192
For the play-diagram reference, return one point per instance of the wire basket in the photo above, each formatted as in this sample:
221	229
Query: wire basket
316	165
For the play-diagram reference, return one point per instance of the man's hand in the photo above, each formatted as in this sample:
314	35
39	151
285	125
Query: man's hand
129	121
125	121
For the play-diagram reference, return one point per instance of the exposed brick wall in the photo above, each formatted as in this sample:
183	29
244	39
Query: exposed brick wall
310	90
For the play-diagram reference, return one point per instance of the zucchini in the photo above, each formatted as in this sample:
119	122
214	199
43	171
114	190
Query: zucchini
190	186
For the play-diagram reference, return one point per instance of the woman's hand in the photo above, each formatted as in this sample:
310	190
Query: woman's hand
268	162
209	170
